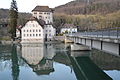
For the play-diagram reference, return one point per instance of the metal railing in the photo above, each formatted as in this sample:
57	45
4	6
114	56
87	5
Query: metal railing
103	33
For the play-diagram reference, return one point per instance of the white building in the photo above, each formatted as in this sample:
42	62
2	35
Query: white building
39	27
69	28
45	13
18	32
33	31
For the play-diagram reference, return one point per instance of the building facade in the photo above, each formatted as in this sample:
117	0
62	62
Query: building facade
40	26
33	31
45	13
68	28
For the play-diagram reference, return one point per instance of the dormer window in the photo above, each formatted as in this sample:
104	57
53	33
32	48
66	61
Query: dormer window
35	12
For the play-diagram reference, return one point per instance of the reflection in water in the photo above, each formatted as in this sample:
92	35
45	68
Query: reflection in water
32	53
51	62
84	67
39	57
15	66
105	61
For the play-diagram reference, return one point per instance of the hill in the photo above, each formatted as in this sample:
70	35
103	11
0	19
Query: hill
89	7
4	18
22	17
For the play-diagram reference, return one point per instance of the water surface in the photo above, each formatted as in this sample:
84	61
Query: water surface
50	62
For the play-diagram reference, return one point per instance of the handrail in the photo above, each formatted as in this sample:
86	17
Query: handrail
113	32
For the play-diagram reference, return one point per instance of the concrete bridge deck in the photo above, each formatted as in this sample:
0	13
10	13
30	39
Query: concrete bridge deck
107	44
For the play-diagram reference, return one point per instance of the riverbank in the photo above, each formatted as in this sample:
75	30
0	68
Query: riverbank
8	42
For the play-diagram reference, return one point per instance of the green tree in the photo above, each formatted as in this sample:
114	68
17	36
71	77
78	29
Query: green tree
13	16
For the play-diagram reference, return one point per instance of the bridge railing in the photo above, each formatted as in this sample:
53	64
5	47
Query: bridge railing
104	33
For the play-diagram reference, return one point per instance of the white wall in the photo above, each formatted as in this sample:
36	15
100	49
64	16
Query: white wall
32	31
70	30
46	16
50	31
17	33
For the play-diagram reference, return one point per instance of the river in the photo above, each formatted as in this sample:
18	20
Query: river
53	62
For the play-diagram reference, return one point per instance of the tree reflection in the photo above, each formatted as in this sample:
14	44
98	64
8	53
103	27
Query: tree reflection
15	66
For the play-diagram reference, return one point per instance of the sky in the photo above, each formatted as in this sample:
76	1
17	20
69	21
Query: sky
28	5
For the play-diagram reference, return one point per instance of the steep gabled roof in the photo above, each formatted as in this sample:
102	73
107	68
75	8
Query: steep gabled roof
42	9
40	21
69	26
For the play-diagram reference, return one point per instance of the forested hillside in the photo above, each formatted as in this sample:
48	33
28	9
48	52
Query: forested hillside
22	17
88	14
4	19
89	7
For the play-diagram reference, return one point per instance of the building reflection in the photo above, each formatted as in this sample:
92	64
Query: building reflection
38	58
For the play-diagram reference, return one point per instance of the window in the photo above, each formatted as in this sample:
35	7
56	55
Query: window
39	34
36	30
24	30
27	34
49	30
45	13
39	30
46	17
36	34
49	34
24	35
35	12
27	30
30	35
30	30
46	30
33	30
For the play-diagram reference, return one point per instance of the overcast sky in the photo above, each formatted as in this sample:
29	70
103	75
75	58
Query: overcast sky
28	5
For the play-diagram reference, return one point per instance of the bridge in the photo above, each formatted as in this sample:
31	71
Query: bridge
107	40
